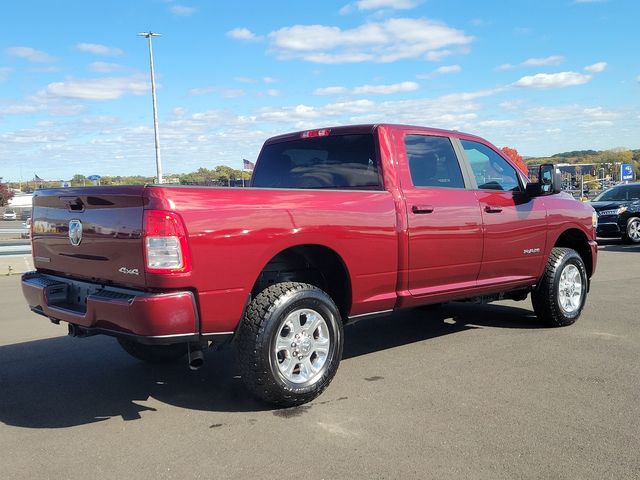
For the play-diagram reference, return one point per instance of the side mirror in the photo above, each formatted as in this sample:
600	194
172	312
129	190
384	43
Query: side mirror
549	181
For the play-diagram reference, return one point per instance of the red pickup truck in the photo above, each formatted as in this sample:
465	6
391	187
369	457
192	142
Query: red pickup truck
339	223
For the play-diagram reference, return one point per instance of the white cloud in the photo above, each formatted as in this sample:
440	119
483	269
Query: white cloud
245	80
381	42
19	109
533	62
368	89
394	4
104	67
242	34
233	93
30	54
497	123
364	5
385	89
202	90
330	91
510	104
272	92
98	89
552	80
225	92
541	61
445	69
449	69
98	49
269	80
596	67
182	10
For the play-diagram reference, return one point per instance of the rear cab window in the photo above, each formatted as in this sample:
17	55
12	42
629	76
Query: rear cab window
433	162
344	161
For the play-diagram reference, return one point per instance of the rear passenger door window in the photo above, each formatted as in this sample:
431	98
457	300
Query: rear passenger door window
433	162
492	172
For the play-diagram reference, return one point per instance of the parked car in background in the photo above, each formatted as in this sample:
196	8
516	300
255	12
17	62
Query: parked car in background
618	210
9	215
26	233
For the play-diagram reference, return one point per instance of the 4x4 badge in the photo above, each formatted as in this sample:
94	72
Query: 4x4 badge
75	232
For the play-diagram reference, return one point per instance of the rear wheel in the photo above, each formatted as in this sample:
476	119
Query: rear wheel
633	231
290	343
153	353
560	296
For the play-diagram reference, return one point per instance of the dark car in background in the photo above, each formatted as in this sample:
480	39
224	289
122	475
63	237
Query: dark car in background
618	210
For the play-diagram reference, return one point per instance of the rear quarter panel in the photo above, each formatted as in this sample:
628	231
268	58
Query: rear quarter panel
233	233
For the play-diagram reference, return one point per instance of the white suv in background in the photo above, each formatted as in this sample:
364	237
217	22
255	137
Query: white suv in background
9	215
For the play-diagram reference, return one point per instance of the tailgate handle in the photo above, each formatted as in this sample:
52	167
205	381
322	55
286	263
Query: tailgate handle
74	204
422	209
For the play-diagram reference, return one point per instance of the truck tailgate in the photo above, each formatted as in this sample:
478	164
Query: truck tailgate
93	233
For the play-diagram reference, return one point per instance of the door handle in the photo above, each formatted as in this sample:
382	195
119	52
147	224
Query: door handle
492	209
417	209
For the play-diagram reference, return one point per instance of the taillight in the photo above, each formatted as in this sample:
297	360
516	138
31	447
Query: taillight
165	243
323	132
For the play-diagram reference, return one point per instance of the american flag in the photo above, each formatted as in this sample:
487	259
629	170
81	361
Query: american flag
247	165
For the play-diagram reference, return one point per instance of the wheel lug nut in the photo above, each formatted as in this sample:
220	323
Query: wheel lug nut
293	344
300	357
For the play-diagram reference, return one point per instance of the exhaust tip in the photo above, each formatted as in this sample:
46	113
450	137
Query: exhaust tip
196	359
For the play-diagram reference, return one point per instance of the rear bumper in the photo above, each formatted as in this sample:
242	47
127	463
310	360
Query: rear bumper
148	317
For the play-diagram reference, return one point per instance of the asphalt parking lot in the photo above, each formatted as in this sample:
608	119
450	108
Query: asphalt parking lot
464	392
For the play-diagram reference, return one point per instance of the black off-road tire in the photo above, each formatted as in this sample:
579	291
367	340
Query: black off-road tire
632	224
153	353
260	330
546	296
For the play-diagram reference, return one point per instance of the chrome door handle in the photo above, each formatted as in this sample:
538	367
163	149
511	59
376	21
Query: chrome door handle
417	209
491	209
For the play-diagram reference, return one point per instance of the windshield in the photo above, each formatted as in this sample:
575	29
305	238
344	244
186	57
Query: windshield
622	193
334	161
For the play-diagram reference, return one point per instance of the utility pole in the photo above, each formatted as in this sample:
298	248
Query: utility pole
148	35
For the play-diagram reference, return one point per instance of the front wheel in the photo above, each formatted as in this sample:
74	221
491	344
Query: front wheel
290	343
559	298
633	231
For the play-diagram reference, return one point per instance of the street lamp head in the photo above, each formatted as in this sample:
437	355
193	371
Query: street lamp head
149	34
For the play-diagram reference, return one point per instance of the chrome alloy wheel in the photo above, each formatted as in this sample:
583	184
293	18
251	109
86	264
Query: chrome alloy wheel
302	346
570	289
633	230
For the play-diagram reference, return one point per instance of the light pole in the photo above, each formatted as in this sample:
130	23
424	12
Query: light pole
148	35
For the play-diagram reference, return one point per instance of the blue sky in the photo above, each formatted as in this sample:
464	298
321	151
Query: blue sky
540	76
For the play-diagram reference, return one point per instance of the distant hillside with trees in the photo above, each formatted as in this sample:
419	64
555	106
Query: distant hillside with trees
223	175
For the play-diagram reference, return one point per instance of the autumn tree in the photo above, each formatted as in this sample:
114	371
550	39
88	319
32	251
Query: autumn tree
516	158
5	194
